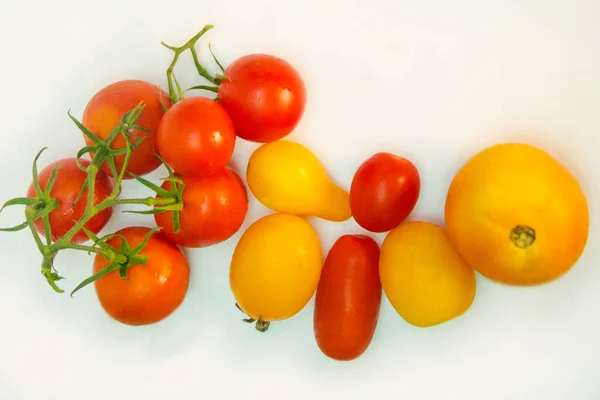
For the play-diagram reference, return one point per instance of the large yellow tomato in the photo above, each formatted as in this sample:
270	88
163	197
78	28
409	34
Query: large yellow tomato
516	215
275	268
422	275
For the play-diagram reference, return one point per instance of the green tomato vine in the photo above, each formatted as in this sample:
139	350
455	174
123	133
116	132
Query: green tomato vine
43	204
40	206
175	92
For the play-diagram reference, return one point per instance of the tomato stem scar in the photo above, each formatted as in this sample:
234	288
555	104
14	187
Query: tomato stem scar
261	325
522	236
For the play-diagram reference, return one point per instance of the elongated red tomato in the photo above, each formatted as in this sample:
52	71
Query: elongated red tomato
68	184
105	110
264	95
214	208
348	298
384	191
196	137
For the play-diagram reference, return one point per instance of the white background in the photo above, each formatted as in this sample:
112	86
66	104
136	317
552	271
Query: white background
434	81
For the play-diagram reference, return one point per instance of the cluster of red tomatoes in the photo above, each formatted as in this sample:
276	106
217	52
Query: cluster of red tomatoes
132	127
203	202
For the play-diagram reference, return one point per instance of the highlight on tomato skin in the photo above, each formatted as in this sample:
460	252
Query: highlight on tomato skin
384	191
107	107
265	96
348	298
69	181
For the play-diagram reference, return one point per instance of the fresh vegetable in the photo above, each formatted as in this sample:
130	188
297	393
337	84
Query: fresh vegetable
288	178
213	208
422	275
348	298
196	137
517	215
66	186
264	95
275	268
39	209
512	212
156	277
108	107
384	191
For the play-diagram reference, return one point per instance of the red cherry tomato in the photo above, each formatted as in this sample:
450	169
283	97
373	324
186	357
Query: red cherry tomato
68	184
105	111
265	97
384	191
214	208
196	137
154	290
348	298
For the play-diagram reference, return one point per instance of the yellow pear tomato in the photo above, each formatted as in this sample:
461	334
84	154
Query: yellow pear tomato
288	178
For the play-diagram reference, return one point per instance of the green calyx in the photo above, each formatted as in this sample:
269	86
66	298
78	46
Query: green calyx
120	259
103	149
37	207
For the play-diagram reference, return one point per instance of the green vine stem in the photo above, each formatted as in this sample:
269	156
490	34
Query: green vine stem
167	200
175	92
120	260
43	204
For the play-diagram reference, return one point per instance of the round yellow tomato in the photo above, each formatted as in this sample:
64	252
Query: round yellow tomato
275	268
516	215
422	275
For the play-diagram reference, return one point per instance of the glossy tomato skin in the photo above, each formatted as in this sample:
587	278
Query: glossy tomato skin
196	137
106	109
348	298
153	291
265	97
384	191
68	183
215	207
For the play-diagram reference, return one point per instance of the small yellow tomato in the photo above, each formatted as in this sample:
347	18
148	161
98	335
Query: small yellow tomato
288	178
275	268
423	277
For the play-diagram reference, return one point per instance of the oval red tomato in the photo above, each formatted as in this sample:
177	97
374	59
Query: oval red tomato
107	108
264	95
196	137
69	181
384	191
154	290
214	208
348	298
